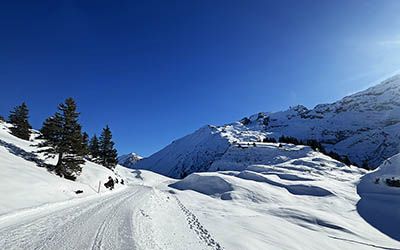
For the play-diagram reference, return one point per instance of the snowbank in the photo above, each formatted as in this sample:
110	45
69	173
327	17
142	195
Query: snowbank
380	202
206	183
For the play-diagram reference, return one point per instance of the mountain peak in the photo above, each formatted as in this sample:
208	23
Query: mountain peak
129	160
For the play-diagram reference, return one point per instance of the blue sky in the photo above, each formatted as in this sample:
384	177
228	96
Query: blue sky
157	70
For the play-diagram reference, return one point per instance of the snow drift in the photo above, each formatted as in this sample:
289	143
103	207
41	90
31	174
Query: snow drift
380	199
271	196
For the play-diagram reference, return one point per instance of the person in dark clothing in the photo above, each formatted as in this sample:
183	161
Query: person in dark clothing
110	183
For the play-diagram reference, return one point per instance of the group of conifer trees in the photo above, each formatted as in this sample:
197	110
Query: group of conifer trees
316	145
62	137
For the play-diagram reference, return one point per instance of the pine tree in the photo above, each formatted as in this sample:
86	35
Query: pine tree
62	137
108	155
85	140
94	148
19	118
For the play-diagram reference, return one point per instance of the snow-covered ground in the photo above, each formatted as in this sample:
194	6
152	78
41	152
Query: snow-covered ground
24	185
288	197
380	203
259	196
364	126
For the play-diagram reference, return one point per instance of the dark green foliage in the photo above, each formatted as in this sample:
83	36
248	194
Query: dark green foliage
289	139
108	154
2	118
346	160
316	145
85	140
334	155
94	148
63	137
19	119
269	140
393	182
365	165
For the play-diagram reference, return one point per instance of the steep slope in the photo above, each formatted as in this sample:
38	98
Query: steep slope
195	152
25	185
364	126
129	160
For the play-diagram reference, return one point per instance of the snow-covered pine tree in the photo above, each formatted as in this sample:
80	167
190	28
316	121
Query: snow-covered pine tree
63	137
94	148
108	154
19	119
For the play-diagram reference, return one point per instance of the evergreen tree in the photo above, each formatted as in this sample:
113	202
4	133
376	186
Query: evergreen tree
19	118
62	137
108	155
94	148
346	160
2	118
85	140
365	165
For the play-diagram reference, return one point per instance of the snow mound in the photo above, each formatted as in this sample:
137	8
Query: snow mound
380	201
271	197
206	183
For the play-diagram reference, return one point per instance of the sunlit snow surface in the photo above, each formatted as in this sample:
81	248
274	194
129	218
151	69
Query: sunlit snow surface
364	126
257	196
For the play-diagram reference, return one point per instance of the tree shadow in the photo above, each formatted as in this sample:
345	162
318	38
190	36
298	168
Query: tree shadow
29	156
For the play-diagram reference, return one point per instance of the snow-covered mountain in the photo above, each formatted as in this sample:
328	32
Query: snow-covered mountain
129	160
364	126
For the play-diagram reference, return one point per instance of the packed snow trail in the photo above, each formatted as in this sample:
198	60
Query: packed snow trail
124	220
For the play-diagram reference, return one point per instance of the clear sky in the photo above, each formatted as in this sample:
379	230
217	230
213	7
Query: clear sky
157	70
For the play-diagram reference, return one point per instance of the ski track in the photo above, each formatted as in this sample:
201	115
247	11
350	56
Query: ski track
96	224
124	220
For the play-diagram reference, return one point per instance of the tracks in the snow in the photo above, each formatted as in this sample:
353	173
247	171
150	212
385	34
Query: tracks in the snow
139	217
198	228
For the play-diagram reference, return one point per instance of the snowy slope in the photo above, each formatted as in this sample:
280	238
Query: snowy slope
288	197
380	202
129	160
25	185
364	126
262	196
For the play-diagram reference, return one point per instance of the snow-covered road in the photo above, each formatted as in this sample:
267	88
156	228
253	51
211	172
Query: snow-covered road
134	218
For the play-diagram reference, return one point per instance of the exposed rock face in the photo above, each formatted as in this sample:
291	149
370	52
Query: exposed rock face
129	160
364	126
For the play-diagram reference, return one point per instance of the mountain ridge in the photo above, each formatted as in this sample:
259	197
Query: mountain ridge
363	126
